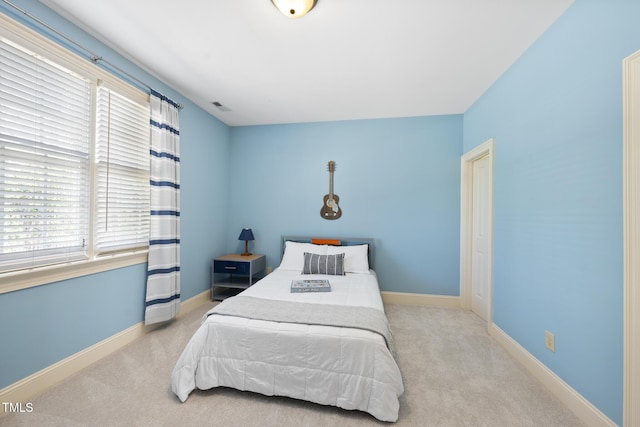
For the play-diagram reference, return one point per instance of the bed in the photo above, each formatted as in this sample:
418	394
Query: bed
332	348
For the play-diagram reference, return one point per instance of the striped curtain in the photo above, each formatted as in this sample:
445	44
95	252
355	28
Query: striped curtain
163	271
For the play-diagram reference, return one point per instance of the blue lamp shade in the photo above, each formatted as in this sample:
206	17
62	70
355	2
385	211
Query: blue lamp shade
246	234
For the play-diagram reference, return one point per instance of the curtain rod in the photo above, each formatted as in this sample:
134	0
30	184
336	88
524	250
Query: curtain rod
93	56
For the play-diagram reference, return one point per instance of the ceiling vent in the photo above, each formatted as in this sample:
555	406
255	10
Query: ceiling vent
220	106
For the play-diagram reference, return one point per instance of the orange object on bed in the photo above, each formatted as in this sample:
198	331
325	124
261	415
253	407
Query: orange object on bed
333	242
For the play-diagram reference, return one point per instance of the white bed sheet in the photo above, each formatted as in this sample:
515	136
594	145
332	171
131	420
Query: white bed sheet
344	367
352	289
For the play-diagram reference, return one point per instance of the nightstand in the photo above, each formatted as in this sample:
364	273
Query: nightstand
232	273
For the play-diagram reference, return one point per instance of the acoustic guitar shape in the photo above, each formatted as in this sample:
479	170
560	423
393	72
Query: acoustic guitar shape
330	209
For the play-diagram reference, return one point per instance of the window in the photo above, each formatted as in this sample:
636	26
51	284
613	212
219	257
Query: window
44	160
122	172
74	157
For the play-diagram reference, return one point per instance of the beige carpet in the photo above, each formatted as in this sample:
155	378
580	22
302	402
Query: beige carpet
454	375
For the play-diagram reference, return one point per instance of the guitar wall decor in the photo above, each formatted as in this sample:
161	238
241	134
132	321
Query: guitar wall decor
330	208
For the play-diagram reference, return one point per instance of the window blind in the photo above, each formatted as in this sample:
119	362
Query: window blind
122	166
45	138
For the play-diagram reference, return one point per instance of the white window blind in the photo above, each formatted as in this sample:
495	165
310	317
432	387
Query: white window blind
45	139
122	169
74	158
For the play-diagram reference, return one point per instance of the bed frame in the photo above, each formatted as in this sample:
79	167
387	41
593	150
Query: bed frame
343	241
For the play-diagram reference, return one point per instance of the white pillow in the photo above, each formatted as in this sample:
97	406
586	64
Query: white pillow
293	258
356	258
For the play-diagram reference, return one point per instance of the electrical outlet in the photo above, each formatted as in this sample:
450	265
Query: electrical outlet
550	341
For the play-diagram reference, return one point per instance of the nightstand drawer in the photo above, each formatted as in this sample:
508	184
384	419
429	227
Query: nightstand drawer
231	267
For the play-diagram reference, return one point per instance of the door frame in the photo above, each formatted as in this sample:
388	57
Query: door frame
631	213
466	224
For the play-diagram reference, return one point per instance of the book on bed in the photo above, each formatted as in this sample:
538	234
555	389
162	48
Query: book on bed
310	285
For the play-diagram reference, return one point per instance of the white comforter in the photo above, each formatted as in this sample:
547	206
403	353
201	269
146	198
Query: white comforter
344	367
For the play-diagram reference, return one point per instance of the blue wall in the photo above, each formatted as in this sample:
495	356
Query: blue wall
398	181
42	325
556	116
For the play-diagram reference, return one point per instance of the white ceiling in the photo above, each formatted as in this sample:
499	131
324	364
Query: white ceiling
345	60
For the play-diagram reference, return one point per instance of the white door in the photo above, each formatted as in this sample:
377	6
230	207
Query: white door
481	242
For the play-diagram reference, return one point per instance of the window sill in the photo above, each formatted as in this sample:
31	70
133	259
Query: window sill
23	279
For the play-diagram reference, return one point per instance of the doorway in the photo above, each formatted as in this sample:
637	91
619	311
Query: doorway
631	150
480	229
476	231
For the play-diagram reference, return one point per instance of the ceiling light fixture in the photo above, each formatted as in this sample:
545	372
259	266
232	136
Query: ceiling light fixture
294	8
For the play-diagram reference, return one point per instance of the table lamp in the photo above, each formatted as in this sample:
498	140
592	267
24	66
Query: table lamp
246	234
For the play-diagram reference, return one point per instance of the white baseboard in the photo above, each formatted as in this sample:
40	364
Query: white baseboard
34	384
573	400
443	301
194	302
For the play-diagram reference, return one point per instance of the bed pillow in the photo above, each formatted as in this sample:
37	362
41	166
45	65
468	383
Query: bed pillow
323	264
356	259
293	257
